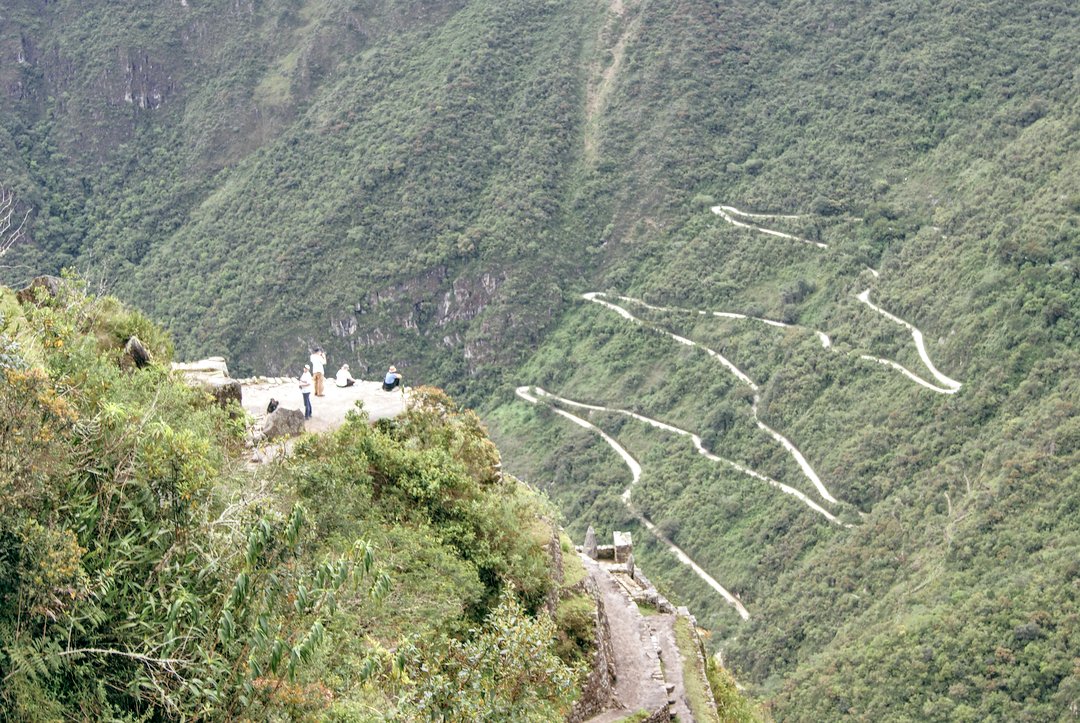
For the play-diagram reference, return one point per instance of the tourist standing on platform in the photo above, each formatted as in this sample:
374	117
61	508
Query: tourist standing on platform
318	369
305	389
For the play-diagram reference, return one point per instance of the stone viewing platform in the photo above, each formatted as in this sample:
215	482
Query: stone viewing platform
327	411
254	395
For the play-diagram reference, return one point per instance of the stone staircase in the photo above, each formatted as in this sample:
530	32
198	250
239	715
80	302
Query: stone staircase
638	664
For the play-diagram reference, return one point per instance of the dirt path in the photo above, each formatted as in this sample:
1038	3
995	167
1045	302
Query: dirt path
908	373
744	214
792	450
952	384
598	91
698	445
635	476
728	213
826	342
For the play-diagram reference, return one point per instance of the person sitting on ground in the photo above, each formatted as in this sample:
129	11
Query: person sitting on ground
392	379
344	378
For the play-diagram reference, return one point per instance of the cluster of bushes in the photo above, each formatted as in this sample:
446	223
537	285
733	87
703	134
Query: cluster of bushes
146	572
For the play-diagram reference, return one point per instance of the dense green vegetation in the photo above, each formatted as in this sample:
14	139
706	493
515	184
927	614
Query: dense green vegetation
145	572
438	182
339	151
954	596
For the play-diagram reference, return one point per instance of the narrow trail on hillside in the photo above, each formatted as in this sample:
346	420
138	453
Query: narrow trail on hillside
728	213
698	445
598	91
826	341
635	477
732	215
784	442
952	384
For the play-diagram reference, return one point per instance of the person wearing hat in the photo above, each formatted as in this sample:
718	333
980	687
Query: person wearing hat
305	389
344	378
392	379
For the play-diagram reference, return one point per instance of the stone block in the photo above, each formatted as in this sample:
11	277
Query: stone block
624	546
283	422
589	548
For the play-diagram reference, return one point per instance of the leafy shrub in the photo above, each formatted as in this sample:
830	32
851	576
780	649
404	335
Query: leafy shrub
507	670
576	629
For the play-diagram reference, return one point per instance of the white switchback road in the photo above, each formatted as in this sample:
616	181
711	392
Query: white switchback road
945	385
635	476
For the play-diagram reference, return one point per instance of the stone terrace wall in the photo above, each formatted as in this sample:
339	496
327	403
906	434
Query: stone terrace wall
599	686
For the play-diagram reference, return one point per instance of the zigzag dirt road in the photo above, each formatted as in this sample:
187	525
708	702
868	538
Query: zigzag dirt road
729	213
635	476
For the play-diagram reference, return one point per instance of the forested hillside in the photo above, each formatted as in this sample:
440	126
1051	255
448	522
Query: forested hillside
912	163
385	178
837	242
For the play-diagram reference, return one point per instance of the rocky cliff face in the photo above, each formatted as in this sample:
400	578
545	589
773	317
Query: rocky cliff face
436	305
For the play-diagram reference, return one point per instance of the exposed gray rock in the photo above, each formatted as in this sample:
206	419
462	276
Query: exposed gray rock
590	543
212	374
223	390
137	351
51	284
283	422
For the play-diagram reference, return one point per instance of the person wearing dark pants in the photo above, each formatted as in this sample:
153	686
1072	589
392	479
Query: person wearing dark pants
391	380
305	389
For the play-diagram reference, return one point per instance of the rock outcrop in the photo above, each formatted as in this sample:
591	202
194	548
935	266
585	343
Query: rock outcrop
283	422
137	352
51	285
212	374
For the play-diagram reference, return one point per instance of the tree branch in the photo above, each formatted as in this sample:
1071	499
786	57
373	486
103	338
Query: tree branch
162	662
8	236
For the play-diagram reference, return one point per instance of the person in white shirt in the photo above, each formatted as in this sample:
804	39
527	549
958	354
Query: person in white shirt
305	389
344	378
318	365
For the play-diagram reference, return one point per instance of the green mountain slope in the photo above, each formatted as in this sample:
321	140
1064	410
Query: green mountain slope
914	153
394	199
438	183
